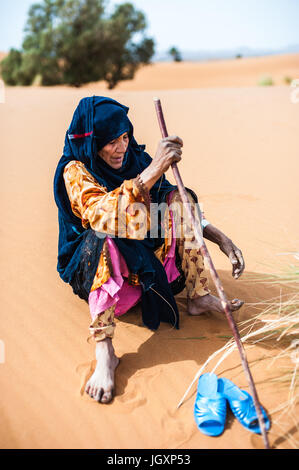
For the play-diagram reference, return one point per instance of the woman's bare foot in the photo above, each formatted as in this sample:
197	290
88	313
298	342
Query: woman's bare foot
210	303
100	386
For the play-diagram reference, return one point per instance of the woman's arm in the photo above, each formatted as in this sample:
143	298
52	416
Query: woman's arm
168	152
226	246
123	212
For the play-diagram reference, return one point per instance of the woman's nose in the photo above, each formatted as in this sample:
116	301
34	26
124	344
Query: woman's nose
122	146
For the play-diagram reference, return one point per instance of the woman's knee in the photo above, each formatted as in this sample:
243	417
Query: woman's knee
176	197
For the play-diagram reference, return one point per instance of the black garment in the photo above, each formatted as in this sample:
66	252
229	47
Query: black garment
89	260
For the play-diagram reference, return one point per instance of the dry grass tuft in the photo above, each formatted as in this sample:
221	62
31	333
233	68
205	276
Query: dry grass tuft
275	325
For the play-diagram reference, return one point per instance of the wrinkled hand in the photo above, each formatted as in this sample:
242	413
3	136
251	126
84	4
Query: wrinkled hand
235	256
169	151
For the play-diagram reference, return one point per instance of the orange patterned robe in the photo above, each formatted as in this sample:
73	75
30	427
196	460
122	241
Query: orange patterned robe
99	209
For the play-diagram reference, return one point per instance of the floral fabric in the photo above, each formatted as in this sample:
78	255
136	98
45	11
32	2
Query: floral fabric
100	210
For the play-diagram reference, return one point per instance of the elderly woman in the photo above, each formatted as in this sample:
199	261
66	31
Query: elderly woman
111	250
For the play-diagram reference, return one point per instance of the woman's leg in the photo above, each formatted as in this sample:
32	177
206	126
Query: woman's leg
103	325
199	298
101	383
192	260
100	386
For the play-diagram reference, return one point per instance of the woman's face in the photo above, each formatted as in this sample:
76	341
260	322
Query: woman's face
113	153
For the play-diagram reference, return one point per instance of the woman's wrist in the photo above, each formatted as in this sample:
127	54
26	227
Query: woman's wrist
150	175
214	234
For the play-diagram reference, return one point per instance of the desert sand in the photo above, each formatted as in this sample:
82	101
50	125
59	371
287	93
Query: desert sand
241	158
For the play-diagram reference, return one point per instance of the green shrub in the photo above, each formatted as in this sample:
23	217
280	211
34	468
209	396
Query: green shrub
287	80
265	81
75	42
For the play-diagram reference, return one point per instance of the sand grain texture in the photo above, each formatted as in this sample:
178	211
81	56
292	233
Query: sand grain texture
241	157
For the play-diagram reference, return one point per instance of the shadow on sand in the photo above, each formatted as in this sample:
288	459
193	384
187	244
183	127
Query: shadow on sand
211	330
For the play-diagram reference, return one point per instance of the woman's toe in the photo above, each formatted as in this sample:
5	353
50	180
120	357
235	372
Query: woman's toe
236	304
106	397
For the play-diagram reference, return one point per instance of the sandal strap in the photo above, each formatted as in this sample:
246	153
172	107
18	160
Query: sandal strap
208	409
246	413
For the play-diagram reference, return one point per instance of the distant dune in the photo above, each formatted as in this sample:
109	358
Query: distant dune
222	73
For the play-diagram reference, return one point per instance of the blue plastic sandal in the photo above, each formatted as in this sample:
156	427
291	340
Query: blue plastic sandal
210	406
242	405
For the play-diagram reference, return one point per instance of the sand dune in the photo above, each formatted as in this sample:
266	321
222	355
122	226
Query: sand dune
241	157
219	73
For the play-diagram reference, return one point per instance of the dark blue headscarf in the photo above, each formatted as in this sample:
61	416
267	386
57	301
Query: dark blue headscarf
96	121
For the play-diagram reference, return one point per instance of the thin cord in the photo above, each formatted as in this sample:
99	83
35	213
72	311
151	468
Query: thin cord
160	184
175	315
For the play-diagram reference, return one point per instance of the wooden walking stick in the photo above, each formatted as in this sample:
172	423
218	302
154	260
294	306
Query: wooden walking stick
215	278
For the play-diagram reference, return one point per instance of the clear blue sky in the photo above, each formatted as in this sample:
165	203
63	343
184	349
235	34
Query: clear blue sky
191	24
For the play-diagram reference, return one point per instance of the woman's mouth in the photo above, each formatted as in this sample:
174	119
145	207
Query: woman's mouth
117	159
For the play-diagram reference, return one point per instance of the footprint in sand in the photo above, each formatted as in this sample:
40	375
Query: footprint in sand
132	399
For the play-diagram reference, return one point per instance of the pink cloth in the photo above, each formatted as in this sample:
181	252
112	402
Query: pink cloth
169	262
117	290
